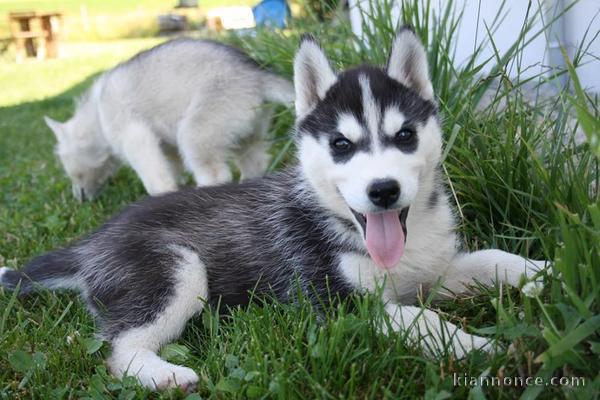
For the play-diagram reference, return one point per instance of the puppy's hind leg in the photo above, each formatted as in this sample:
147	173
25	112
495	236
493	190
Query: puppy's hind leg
252	157
205	143
135	350
142	149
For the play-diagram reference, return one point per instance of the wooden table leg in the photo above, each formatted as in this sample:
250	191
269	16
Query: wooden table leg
51	27
25	26
21	53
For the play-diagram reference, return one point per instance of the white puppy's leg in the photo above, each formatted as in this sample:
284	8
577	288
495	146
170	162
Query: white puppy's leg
134	350
141	148
252	157
487	267
205	145
434	334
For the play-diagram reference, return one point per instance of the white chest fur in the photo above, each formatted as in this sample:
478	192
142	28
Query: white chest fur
420	267
430	246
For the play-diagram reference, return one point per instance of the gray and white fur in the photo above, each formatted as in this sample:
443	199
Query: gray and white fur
196	101
369	145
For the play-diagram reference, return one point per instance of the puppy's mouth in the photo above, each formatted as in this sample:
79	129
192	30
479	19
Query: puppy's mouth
385	235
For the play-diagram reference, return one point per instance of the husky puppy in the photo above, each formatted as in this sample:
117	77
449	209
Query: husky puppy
202	98
363	211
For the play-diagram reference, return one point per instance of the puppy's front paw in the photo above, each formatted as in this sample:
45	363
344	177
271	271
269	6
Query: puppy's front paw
175	376
532	267
159	375
460	343
464	343
525	270
535	280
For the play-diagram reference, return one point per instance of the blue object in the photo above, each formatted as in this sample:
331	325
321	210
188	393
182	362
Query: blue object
271	13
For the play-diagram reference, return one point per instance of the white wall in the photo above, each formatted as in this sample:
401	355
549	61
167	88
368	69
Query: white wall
576	22
539	56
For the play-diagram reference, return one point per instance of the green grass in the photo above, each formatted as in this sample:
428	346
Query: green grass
520	181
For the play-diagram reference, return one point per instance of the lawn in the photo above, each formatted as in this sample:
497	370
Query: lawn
519	181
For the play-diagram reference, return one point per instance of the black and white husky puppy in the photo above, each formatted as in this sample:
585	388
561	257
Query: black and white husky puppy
363	209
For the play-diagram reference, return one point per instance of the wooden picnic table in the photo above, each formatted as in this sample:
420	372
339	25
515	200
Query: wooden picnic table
35	34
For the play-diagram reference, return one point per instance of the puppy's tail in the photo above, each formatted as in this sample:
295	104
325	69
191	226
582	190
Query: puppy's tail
278	90
54	270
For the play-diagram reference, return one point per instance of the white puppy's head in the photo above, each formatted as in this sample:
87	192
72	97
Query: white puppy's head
367	137
87	164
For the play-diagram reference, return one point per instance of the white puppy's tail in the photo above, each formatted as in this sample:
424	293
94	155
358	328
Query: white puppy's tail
278	90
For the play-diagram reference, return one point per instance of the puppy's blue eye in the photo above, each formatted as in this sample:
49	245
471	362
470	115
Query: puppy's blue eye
341	145
405	135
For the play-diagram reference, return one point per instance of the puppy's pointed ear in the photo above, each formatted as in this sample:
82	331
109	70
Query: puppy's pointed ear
313	75
57	127
408	63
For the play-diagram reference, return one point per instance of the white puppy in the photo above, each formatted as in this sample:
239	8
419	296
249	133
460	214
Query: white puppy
202	98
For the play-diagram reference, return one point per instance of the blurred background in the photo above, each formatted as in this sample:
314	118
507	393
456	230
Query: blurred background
98	33
83	36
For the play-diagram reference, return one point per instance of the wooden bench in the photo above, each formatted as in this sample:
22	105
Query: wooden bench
35	34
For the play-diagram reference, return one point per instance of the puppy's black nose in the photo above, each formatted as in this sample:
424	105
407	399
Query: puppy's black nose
384	193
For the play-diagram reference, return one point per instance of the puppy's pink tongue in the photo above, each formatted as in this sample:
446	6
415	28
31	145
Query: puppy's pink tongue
385	238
